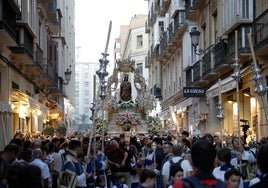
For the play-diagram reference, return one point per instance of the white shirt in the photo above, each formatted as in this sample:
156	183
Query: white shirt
45	174
185	165
219	174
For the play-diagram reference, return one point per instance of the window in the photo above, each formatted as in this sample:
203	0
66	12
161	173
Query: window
139	68
86	101
86	74
77	93
15	85
86	67
139	41
161	27
86	92
86	110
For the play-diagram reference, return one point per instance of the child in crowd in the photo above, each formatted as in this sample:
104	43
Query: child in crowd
121	182
147	178
232	178
176	174
100	181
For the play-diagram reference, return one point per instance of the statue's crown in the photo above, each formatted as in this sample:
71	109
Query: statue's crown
125	65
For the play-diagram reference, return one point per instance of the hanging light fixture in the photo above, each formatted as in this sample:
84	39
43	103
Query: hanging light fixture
68	74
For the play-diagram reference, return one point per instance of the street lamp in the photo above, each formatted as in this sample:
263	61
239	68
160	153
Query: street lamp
195	34
68	74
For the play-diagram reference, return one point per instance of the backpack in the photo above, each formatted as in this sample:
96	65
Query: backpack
194	182
172	163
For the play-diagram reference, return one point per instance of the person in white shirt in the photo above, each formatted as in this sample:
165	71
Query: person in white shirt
45	174
185	165
223	160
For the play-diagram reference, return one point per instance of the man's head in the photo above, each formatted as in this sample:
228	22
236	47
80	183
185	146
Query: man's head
168	147
113	144
177	150
11	152
203	155
232	177
75	145
185	134
224	155
147	178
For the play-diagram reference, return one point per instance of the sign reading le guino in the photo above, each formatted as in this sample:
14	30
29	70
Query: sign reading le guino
194	92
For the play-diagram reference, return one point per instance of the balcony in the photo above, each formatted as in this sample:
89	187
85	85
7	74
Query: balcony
191	13
51	74
176	6
152	14
8	14
147	27
164	5
163	43
54	17
179	25
36	70
243	44
189	76
220	55
197	77
236	13
23	53
207	73
260	26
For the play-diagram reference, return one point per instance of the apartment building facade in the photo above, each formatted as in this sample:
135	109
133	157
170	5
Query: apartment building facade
218	65
37	52
86	86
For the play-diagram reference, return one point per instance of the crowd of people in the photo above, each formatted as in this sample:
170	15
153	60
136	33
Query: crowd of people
139	161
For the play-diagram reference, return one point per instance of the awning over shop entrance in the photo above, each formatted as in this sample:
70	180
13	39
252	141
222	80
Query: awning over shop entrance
227	84
184	104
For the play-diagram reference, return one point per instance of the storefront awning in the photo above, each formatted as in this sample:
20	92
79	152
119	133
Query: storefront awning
227	84
184	104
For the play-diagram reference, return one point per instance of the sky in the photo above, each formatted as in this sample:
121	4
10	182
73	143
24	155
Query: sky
92	19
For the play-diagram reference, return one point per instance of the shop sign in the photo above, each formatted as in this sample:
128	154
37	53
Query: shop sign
194	92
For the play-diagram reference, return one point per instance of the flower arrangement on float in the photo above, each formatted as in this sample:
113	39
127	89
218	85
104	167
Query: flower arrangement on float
127	121
154	125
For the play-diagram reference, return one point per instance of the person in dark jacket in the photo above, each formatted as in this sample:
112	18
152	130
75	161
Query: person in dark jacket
263	166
